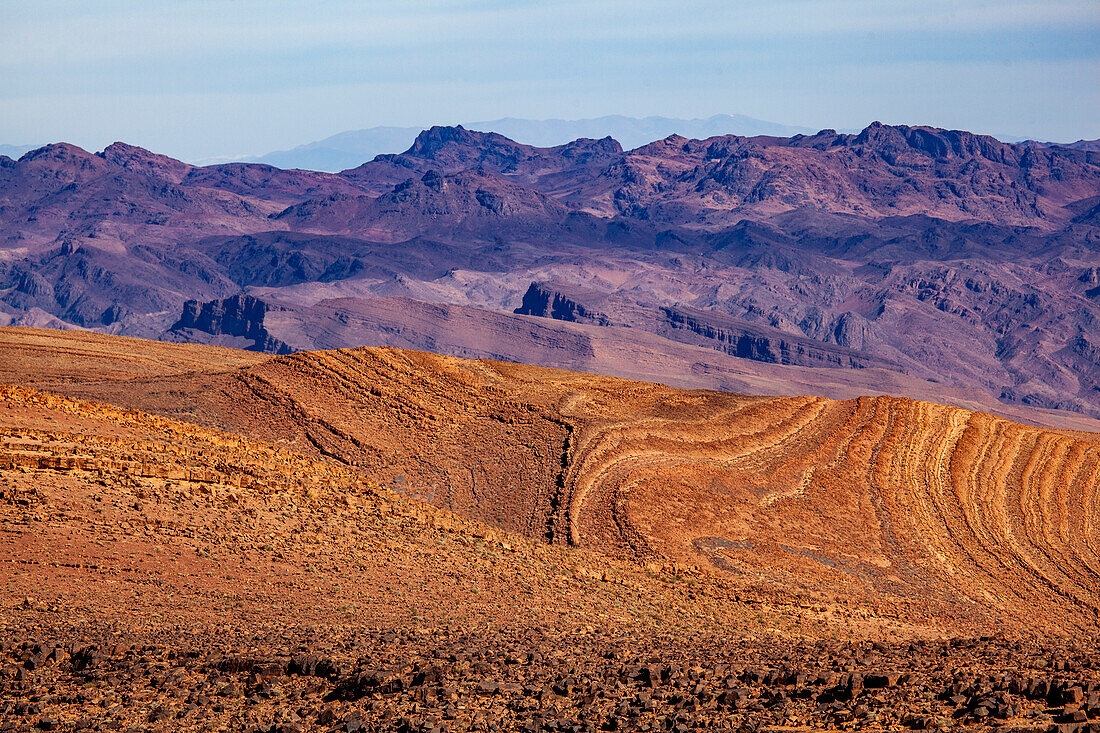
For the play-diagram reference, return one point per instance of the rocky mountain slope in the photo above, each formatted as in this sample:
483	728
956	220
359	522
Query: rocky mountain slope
929	511
936	255
387	538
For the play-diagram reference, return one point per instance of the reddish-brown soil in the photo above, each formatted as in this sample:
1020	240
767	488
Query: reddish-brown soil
604	554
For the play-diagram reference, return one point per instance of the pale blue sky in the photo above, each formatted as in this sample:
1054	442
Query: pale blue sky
207	78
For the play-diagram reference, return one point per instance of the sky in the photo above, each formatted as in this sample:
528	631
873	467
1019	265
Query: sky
202	79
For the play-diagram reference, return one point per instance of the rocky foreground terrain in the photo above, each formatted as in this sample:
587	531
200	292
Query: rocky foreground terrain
409	679
198	538
944	262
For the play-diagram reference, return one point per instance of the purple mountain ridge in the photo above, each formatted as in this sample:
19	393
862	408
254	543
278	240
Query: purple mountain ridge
935	256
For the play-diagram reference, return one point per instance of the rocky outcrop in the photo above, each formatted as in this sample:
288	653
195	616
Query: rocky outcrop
140	160
550	301
749	340
240	316
734	336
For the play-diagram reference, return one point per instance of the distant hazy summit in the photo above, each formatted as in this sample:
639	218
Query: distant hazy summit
349	149
16	151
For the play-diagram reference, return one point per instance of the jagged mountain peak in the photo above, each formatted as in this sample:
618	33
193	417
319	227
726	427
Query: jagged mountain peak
430	142
60	152
140	160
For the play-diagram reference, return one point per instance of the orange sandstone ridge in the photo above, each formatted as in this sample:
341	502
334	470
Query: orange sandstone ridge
197	538
939	516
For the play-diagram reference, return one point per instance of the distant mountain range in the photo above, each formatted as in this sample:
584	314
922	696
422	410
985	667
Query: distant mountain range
349	149
352	148
1090	145
898	253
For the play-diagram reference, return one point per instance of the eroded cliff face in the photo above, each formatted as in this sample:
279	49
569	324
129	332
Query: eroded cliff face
753	341
543	299
734	336
240	316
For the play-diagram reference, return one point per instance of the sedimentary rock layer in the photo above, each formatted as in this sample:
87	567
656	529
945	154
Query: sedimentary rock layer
932	511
